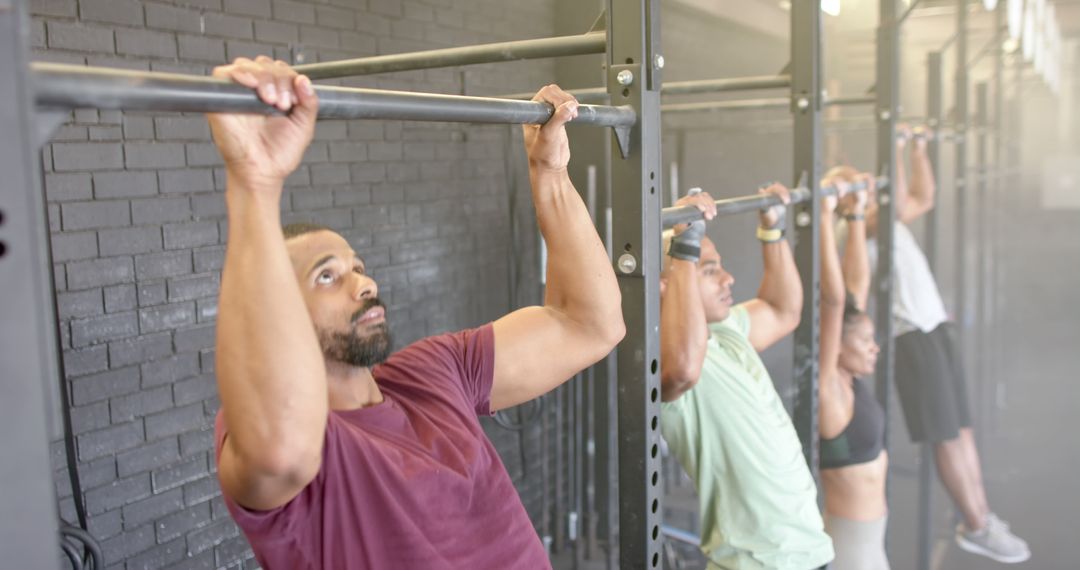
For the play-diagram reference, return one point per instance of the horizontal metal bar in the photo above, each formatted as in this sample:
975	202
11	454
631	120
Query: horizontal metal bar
854	100
726	84
586	95
72	86
592	42
730	206
681	87
733	105
680	535
908	12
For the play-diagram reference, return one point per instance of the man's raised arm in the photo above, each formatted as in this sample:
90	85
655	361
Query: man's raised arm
777	309
539	348
270	369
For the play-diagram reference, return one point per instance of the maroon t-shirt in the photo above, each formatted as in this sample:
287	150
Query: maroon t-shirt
412	482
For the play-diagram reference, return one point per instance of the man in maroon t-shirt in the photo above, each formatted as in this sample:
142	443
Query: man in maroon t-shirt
330	454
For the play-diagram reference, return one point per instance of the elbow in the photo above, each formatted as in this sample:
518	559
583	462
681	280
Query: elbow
294	467
295	459
678	375
673	388
614	332
609	328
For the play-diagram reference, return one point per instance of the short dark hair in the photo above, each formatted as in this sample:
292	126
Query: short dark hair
299	229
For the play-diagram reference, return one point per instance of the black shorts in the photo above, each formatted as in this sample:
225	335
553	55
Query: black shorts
930	381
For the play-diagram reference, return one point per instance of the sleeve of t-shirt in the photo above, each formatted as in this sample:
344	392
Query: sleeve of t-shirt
470	357
289	521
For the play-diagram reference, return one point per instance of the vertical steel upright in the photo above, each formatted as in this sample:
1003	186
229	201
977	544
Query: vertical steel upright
934	115
28	348
888	109
806	106
960	126
982	173
634	77
996	213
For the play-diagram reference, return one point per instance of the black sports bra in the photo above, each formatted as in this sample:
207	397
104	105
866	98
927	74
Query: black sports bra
863	438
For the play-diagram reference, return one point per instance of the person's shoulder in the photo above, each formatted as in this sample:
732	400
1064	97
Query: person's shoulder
443	343
737	321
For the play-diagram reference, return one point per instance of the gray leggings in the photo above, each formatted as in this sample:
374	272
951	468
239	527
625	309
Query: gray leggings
859	545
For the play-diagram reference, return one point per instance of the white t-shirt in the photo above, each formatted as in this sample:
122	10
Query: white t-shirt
917	302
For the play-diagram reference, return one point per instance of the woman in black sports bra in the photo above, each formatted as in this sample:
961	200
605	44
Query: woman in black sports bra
852	423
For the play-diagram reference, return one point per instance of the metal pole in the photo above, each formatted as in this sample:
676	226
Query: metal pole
72	86
982	170
726	84
634	78
888	110
960	138
683	87
995	229
736	104
592	42
806	105
29	354
837	101
750	203
934	113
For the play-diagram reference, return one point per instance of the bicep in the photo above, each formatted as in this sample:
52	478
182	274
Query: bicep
536	350
767	325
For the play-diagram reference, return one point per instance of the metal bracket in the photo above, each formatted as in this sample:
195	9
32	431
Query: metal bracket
600	25
622	134
622	138
46	122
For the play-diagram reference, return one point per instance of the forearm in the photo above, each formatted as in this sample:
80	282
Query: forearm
580	281
899	180
832	280
923	188
831	311
683	330
856	263
271	375
781	287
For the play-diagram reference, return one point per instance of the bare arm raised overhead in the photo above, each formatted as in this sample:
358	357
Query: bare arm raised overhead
539	348
270	370
776	310
683	327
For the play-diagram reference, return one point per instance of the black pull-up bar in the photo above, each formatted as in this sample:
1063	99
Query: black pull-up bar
71	86
590	43
729	206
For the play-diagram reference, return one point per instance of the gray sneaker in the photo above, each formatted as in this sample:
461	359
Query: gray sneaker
994	541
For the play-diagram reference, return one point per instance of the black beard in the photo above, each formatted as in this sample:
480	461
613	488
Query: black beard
354	350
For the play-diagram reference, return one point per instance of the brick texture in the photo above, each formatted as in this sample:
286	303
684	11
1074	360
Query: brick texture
138	226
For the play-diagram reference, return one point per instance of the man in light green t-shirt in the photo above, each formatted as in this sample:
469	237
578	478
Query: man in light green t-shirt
722	417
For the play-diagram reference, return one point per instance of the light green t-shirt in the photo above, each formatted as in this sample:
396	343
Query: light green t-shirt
733	436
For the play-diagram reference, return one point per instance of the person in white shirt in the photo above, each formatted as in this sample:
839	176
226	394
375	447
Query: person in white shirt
929	375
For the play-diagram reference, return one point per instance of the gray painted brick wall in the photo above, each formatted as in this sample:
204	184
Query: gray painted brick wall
137	216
